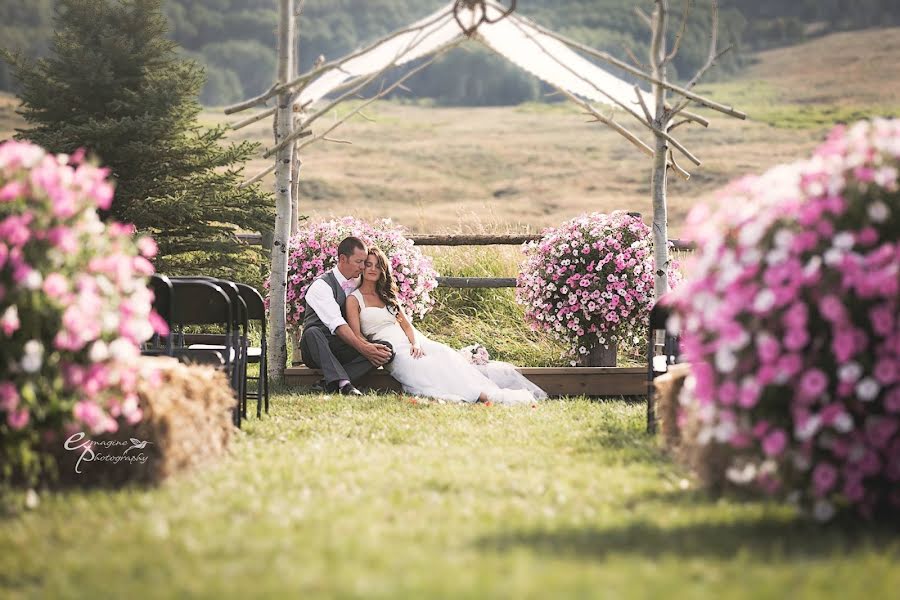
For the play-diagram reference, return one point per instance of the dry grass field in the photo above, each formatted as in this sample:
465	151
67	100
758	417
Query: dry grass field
525	167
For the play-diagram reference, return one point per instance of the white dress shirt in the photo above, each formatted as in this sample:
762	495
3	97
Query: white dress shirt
321	300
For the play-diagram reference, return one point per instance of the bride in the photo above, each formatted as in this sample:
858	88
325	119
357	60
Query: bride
422	366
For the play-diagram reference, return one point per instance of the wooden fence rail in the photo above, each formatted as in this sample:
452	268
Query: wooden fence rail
255	239
467	240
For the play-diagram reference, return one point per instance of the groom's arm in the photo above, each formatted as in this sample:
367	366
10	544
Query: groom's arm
377	354
321	300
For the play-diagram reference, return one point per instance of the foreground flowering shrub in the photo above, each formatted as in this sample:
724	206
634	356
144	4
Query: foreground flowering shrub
590	281
791	324
74	307
313	251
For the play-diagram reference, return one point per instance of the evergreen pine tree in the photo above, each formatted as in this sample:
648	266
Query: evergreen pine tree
114	85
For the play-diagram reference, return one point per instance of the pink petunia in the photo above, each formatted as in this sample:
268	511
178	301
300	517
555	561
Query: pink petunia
774	442
9	320
9	396
813	383
18	419
824	479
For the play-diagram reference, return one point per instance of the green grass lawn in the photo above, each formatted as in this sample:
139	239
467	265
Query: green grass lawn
380	497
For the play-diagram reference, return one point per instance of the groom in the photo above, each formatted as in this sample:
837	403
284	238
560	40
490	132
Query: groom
327	342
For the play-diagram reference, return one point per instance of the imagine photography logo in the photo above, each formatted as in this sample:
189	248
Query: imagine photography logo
104	450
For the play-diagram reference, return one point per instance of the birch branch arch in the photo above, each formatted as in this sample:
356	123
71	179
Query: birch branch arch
561	62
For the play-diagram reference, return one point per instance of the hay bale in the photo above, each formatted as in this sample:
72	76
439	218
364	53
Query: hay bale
707	458
680	426
668	390
187	422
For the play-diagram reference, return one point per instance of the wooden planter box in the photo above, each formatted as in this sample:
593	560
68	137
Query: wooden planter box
556	381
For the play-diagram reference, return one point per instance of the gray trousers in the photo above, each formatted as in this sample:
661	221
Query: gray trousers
338	360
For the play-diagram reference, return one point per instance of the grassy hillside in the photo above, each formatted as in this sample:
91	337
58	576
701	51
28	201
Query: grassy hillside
533	165
525	167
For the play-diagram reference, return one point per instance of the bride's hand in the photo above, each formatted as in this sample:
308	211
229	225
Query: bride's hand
416	352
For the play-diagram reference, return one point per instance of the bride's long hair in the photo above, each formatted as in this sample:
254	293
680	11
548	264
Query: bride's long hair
385	287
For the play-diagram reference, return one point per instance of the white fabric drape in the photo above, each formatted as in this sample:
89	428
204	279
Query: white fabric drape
515	37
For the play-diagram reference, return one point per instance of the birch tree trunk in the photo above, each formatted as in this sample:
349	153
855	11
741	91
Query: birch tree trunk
296	164
283	128
659	181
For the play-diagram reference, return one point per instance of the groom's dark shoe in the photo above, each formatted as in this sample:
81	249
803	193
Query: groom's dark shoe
350	390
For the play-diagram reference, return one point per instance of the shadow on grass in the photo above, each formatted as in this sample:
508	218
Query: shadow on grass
764	540
617	446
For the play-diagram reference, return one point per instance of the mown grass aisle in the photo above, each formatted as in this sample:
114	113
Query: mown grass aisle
380	497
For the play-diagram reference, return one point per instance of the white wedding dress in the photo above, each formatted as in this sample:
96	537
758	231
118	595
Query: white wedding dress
441	373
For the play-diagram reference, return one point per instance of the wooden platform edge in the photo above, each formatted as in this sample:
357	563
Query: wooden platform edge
556	381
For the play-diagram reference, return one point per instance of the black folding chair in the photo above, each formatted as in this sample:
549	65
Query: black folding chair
256	311
163	298
211	358
202	302
662	351
238	335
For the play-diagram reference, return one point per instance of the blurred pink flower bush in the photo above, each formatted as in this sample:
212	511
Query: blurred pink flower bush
590	281
792	325
313	251
74	306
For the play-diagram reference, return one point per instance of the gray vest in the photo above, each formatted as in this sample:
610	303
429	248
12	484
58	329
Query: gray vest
310	318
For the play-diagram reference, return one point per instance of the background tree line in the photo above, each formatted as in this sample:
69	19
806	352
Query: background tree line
234	39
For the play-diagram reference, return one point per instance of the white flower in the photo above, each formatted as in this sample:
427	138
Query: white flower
886	177
764	300
773	257
99	351
809	428
33	280
145	330
833	256
122	349
741	475
843	423
10	318
34	356
110	322
849	372
105	286
879	211
812	266
725	360
823	510
783	238
724	431
867	389
843	240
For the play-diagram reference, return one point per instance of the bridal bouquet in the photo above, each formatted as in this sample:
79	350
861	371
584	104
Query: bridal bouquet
590	281
313	251
792	325
74	306
476	354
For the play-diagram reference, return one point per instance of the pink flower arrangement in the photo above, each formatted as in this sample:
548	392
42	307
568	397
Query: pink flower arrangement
792	324
590	281
313	251
476	354
74	305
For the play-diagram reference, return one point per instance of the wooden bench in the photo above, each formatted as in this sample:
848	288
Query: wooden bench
556	381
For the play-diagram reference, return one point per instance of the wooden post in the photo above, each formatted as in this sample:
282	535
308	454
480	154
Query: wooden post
660	227
283	204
